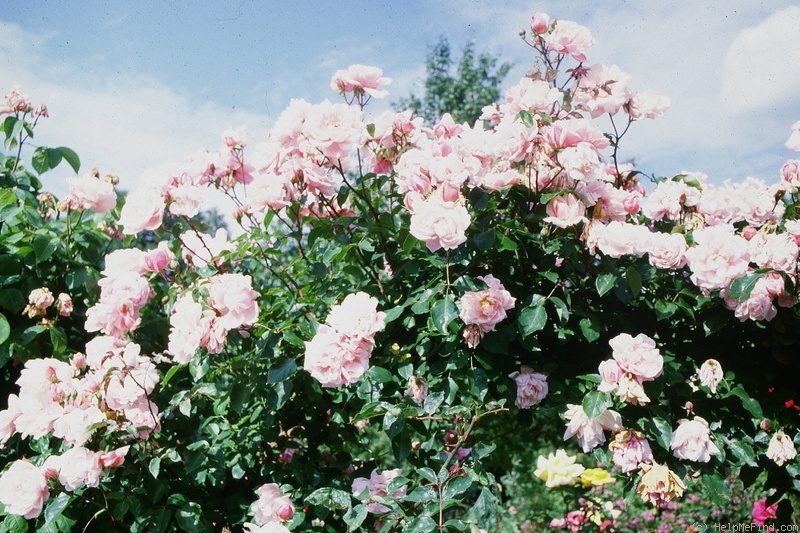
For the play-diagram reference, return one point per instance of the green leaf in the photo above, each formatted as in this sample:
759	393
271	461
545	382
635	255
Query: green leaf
595	403
355	516
43	247
485	240
329	497
421	495
5	329
71	157
281	371
45	159
750	404
604	283
428	474
421	524
59	339
660	429
634	280
590	330
532	319
154	467
15	524
443	312
56	506
742	287
717	490
456	487
743	451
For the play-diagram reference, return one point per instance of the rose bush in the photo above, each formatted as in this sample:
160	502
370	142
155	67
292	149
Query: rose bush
401	302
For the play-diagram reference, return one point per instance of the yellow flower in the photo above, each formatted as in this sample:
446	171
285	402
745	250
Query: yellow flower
659	483
595	477
558	469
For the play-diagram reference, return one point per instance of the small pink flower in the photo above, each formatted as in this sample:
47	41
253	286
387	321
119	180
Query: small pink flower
143	210
90	192
114	458
376	486
540	22
763	512
234	300
647	104
589	431
361	78
486	308
64	304
629	449
531	387
271	506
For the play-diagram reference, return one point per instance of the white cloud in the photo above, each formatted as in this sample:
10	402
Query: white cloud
762	67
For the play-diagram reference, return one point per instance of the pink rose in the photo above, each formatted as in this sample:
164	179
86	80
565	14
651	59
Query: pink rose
637	355
647	104
376	486
763	512
488	307
692	441
361	78
440	224
531	387
334	359
565	210
90	192
667	250
232	296
271	506
114	458
569	37
77	467
24	489
143	210
589	431
540	22
629	449
357	316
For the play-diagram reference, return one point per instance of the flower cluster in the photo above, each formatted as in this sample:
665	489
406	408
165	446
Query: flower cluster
635	361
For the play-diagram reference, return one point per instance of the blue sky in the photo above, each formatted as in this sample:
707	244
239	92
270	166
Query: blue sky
131	85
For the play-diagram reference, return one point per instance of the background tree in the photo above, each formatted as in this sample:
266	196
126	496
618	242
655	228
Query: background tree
475	84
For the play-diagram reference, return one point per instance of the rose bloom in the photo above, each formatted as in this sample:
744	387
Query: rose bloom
569	37
64	304
24	489
790	174
763	512
531	387
629	448
667	250
77	467
486	308
692	441
143	210
565	210
376	486
781	448
361	78
233	297
41	298
718	257
439	223
659	484
416	389
637	355
334	359
647	104
558	469
92	193
271	506
589	431
711	374
357	316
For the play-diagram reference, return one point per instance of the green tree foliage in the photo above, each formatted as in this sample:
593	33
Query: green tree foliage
475	84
